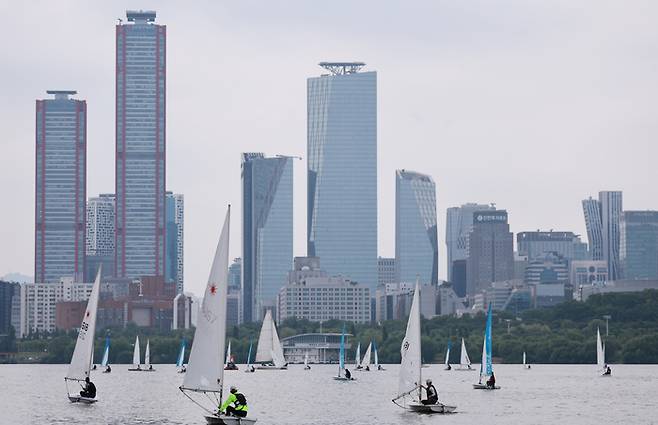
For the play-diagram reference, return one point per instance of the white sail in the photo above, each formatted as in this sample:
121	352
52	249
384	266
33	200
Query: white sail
483	362
464	361
357	356
410	366
147	354
137	355
228	354
366	357
306	359
204	370
524	358
447	359
106	354
277	350
84	345
600	351
265	340
376	358
181	356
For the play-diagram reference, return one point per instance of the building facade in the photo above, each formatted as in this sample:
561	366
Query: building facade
267	231
459	222
385	271
548	269
100	236
490	251
592	213
319	347
60	187
603	221
537	244
342	171
416	237
9	291
638	253
174	262
587	272
141	74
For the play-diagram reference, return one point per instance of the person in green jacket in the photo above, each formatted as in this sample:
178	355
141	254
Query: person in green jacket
238	402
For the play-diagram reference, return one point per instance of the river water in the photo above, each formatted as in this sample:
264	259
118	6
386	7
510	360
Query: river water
546	394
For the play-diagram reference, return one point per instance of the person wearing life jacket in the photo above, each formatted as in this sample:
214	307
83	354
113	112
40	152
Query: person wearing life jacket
89	390
491	382
108	369
432	395
348	374
235	404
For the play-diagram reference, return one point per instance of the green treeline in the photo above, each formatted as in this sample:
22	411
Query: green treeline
563	334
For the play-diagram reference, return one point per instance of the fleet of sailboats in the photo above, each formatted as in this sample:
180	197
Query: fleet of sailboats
269	354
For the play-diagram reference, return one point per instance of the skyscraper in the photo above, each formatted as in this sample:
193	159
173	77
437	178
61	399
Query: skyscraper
267	231
60	187
490	251
459	222
140	146
385	270
638	251
416	240
537	244
175	213
342	171
100	236
602	219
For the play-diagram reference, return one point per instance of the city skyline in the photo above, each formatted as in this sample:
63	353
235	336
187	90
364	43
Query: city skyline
407	123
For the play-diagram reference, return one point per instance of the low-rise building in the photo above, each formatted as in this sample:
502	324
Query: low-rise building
587	272
616	286
320	347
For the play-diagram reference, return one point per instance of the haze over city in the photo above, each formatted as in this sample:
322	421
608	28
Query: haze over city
531	106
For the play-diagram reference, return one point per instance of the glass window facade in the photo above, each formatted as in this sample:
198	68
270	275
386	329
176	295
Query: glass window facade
639	244
342	174
416	240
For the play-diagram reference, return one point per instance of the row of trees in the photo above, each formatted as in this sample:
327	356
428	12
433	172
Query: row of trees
562	334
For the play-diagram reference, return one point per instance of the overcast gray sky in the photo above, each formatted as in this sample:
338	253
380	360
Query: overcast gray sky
533	105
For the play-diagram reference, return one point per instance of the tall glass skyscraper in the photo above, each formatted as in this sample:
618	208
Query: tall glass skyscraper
267	231
342	171
602	219
140	146
459	222
175	213
100	236
638	251
592	213
416	238
61	187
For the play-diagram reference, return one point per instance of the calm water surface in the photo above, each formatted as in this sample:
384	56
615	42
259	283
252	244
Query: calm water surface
546	394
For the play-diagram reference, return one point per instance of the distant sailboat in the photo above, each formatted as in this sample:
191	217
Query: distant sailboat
600	355
486	368
181	357
374	350
204	380
250	367
229	363
269	353
81	360
464	360
306	365
148	367
410	378
343	374
446	361
137	356
357	357
365	362
525	365
106	356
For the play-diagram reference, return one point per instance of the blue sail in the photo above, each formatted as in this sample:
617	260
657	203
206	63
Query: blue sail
487	338
341	355
249	354
106	352
181	354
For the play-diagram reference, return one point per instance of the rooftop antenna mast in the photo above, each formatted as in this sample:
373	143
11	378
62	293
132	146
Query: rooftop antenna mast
342	68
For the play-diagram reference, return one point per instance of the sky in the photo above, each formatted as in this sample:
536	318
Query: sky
534	105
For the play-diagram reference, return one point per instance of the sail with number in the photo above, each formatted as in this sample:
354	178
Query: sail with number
410	377
464	361
84	345
106	352
137	355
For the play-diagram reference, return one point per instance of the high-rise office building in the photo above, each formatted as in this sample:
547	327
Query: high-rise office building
342	171
537	244
140	146
267	231
175	213
602	219
416	238
459	222
385	271
638	251
490	251
100	236
60	187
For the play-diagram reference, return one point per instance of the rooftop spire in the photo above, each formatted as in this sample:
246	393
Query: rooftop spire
342	68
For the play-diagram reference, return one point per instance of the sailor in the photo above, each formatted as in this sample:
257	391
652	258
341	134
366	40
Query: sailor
108	369
238	402
348	374
491	382
367	368
253	369
150	367
379	367
139	367
93	368
449	367
432	395
608	371
183	369
89	390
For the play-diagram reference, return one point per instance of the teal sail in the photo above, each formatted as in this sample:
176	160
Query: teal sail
341	355
181	354
106	352
487	338
251	342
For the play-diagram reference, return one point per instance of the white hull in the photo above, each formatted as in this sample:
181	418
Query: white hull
463	369
271	367
430	408
229	420
484	387
79	399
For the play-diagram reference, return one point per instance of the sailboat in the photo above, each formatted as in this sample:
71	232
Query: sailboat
250	367
357	357
229	363
136	357
204	381
525	365
446	361
374	349
148	367
365	362
181	357
410	379
306	365
81	360
486	369
600	355
269	354
464	360
106	356
341	361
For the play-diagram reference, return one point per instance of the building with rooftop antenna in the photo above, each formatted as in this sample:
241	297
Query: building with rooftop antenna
342	171
60	187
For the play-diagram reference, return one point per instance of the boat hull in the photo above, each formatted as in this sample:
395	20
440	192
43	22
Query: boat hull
484	387
342	378
229	420
430	408
270	367
79	399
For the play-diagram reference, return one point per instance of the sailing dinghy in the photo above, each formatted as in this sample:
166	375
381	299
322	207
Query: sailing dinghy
341	361
148	367
250	368
229	362
446	361
365	362
136	357
486	368
410	379
525	365
106	356
306	365
600	355
357	357
181	357
84	346
204	381
269	354
464	360
374	350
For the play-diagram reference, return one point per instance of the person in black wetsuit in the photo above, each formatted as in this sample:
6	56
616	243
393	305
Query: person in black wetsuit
89	390
432	395
348	374
491	382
